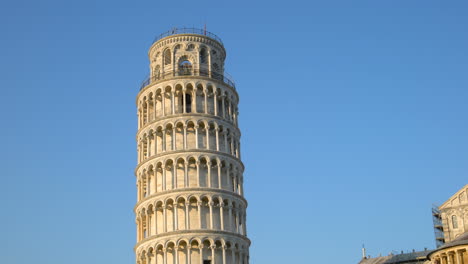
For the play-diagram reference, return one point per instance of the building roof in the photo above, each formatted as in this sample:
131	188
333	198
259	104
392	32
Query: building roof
460	240
413	257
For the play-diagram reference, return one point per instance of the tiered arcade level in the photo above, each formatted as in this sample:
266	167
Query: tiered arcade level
191	208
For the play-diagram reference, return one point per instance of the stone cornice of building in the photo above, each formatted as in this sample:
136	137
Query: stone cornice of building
202	39
188	152
194	191
188	116
168	79
455	195
460	207
192	232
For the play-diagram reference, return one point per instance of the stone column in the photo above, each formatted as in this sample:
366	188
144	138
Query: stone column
235	184
215	100
237	222
189	254
230	222
199	214
241	190
173	102
184	103
207	130
459	257
173	141
185	137
217	138
149	145
224	254
148	224
211	214
154	110
155	222
164	177
176	254
213	254
148	184
155	136
186	177
175	175
233	255
163	96
225	142
138	229
223	106
208	170
139	152
187	215
221	212
206	101
164	207
198	172
194	101
244	223
176	217
165	255
220	180
155	182
201	253
196	136
163	143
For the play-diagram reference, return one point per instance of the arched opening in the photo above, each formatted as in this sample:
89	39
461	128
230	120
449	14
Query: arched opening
167	57
203	56
185	66
194	221
205	213
180	173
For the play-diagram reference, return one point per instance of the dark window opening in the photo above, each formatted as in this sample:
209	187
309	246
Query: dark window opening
206	261
188	103
203	56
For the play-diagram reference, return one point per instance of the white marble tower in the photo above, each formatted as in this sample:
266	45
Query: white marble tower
191	207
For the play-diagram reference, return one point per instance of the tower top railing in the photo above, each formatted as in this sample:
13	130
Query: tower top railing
184	30
184	72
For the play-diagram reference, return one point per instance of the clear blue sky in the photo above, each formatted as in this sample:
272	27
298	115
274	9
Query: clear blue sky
353	113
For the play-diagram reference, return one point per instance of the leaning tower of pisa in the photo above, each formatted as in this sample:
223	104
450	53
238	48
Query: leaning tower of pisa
190	206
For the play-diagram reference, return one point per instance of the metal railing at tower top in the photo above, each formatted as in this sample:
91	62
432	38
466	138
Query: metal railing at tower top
223	77
184	30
